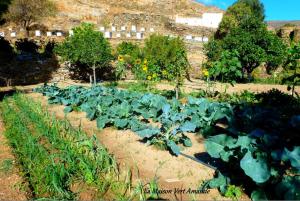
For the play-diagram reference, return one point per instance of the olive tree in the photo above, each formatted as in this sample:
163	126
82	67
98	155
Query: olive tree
86	46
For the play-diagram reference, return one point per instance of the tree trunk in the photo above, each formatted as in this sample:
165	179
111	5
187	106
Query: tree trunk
27	31
91	80
94	74
249	76
177	89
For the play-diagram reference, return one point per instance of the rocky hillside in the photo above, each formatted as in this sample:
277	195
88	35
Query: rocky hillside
157	14
278	24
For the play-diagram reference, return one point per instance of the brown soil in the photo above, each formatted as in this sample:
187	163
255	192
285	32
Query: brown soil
188	86
10	181
147	162
196	85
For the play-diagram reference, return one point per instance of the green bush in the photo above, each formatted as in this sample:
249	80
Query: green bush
166	58
228	68
130	51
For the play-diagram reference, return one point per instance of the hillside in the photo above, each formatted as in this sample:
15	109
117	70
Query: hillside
276	24
157	14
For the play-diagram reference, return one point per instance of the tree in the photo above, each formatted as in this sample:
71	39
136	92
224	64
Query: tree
87	47
249	37
169	58
257	8
28	12
239	11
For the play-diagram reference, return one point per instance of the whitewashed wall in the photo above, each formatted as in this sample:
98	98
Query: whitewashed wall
211	20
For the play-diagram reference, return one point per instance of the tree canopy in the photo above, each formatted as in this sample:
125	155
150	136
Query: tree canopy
239	11
87	47
244	31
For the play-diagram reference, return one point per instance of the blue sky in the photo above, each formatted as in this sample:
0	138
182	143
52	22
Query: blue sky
275	9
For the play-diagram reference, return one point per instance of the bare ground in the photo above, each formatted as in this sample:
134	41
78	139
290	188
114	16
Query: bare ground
10	181
187	87
147	162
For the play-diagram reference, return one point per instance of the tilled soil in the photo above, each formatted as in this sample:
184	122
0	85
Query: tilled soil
147	162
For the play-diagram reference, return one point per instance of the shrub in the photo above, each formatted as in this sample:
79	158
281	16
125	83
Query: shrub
26	45
6	50
131	50
228	68
165	58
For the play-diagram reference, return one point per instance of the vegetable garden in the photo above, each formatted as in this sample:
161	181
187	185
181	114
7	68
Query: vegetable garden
256	143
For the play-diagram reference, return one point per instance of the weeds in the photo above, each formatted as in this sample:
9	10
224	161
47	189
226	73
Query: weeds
7	165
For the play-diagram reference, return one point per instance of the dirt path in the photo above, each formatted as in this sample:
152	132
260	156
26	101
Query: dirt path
10	180
196	85
172	172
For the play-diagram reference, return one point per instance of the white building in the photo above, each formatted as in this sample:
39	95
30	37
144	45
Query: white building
205	39
71	32
198	39
133	28
139	36
49	33
211	20
123	28
13	34
107	34
59	34
37	33
188	37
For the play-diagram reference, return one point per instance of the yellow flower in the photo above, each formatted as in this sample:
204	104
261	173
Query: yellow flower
145	68
154	75
164	72
120	58
205	72
138	61
145	62
149	77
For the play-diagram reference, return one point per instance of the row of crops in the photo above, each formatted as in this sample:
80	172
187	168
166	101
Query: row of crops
54	156
154	118
256	143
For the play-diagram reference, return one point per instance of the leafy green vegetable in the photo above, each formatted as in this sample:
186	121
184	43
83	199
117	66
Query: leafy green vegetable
257	168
